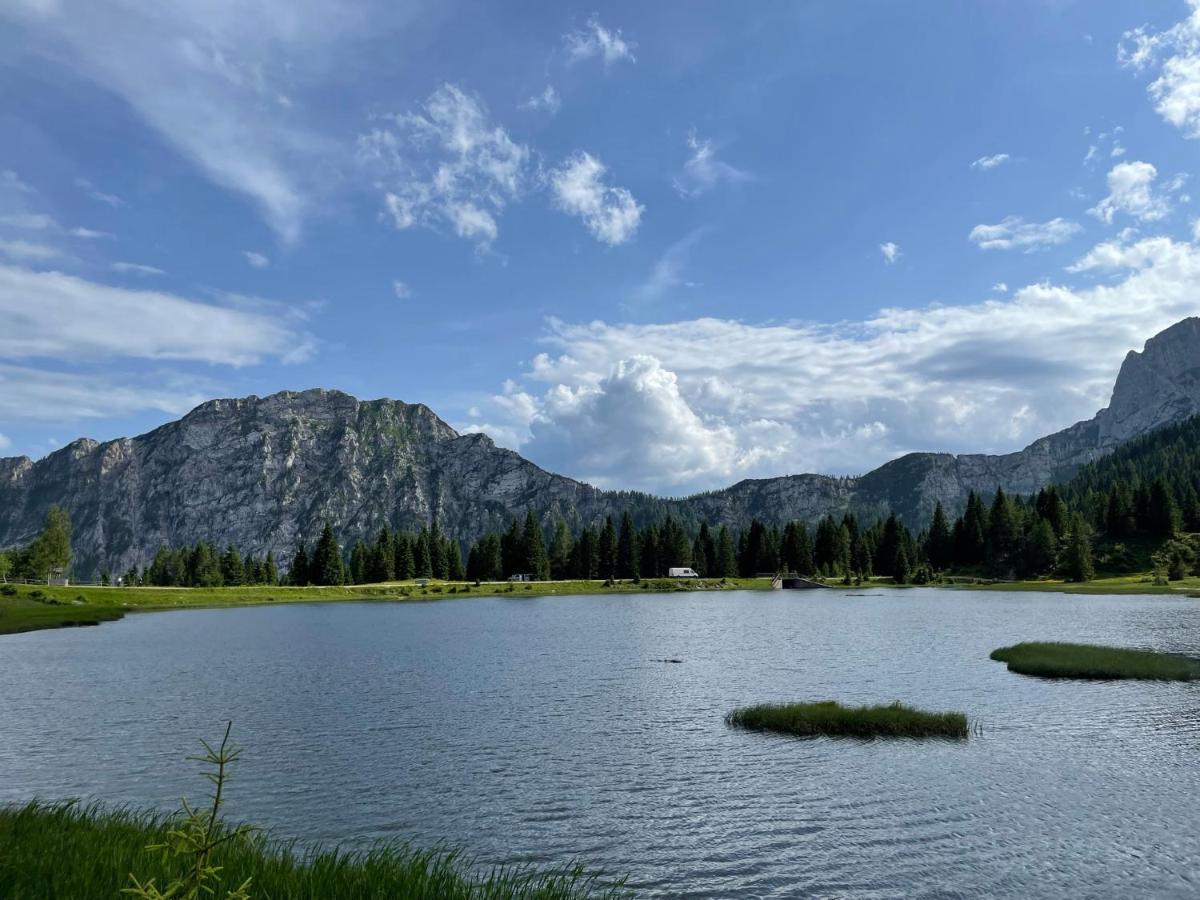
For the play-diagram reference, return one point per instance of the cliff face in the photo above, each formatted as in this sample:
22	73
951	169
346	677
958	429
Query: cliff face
263	473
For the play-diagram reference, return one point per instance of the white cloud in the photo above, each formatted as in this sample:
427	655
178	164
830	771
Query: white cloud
447	164
27	251
42	396
129	268
611	214
207	77
990	162
1131	191
5	441
1175	53
256	259
56	316
595	40
90	234
401	290
703	171
777	398
1013	232
890	251
548	101
1000	287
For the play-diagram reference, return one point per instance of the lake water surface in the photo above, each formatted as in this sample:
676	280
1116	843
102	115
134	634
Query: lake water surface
543	731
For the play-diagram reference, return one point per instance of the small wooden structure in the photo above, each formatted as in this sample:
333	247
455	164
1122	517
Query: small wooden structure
796	583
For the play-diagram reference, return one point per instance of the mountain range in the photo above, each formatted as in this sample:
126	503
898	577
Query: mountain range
266	472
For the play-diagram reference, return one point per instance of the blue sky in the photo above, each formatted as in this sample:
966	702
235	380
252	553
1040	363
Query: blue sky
662	246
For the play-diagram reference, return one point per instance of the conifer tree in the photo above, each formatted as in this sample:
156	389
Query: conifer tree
1077	559
726	561
327	567
561	547
535	560
627	549
607	550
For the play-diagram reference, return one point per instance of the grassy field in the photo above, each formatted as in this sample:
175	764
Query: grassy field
67	851
29	607
1056	660
834	720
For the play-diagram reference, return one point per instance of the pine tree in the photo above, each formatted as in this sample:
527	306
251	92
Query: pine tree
651	566
1162	513
607	550
511	550
1041	553
422	555
233	569
406	562
901	571
327	566
270	570
454	561
358	563
726	561
438	563
939	542
1077	559
381	558
561	546
627	549
535	561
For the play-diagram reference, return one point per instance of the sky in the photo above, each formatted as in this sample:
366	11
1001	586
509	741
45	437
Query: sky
653	246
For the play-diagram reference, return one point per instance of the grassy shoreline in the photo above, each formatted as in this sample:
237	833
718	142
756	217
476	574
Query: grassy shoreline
34	607
65	850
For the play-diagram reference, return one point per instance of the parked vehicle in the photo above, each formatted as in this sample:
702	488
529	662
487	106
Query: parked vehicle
682	572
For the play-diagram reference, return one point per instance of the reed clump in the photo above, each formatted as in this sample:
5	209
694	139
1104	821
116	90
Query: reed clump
832	719
1062	660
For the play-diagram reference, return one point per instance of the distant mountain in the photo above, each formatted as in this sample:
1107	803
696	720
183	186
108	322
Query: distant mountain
263	473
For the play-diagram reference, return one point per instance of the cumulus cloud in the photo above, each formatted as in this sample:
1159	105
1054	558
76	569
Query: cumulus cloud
890	252
1131	191
1013	232
56	316
1175	54
778	398
594	40
990	162
447	164
90	234
703	171
256	259
548	101
611	214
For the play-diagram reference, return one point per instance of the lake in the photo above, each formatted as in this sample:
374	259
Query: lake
544	730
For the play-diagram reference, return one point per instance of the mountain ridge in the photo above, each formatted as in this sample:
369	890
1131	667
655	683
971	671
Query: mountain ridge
266	472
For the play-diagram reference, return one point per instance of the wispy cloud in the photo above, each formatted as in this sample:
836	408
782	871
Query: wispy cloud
594	40
990	162
256	259
401	289
90	234
57	316
548	101
611	214
129	268
88	188
669	270
1014	233
703	171
28	251
890	252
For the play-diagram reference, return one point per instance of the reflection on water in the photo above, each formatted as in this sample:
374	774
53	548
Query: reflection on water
547	730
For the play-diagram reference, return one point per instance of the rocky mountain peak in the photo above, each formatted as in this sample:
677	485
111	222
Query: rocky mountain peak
1158	385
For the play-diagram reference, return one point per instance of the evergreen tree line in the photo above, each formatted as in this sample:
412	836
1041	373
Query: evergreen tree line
391	556
201	565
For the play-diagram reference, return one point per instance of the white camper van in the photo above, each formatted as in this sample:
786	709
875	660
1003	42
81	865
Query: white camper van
682	573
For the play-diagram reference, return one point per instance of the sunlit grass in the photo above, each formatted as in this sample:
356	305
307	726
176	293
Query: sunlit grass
65	850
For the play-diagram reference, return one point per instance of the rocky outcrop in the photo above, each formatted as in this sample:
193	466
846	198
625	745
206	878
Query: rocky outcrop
264	473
